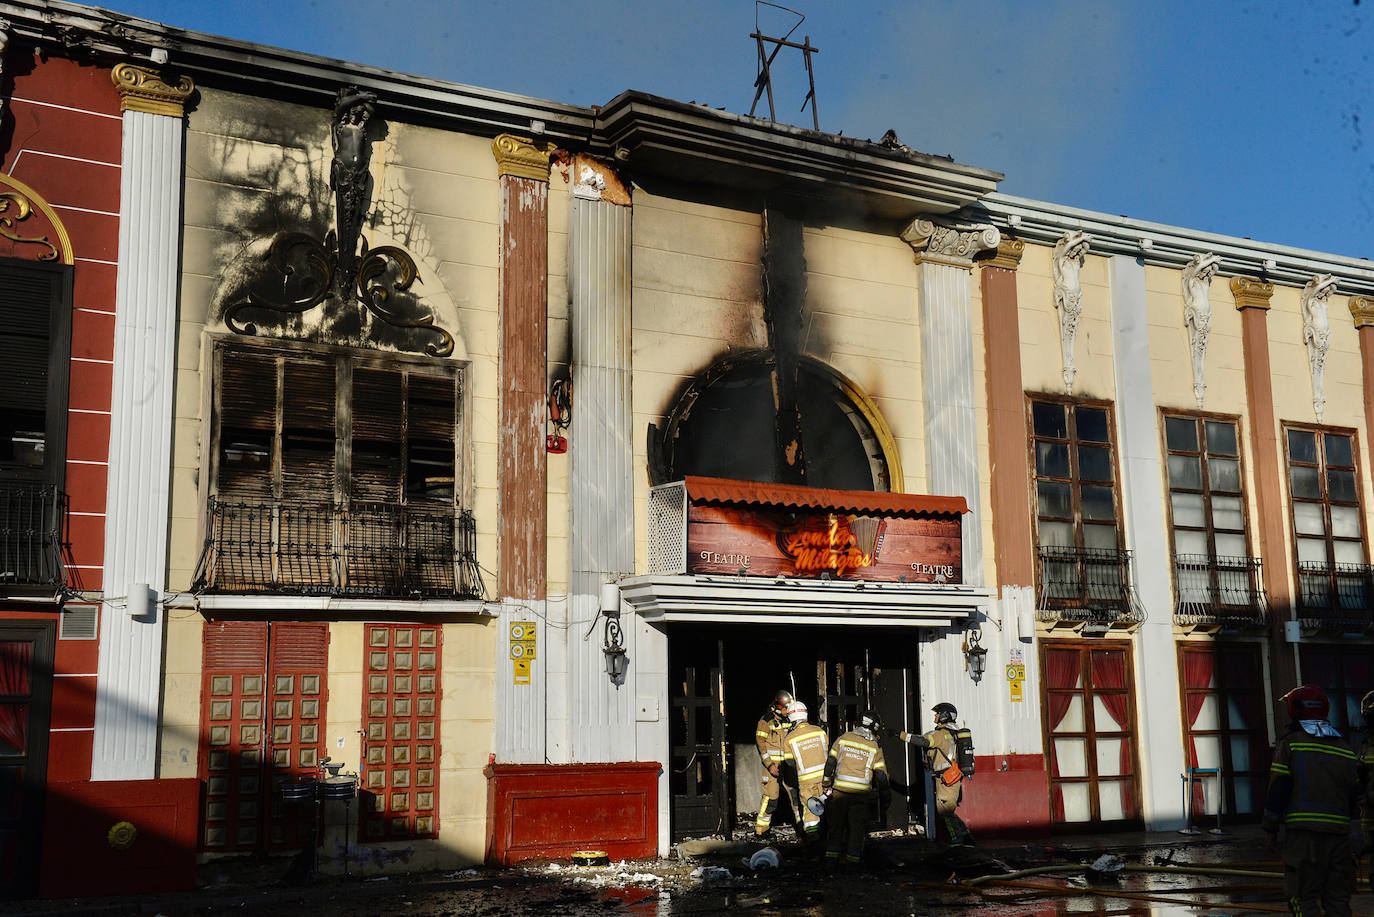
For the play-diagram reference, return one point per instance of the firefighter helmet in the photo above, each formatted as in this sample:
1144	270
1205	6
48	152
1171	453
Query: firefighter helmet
797	712
944	713
1306	702
1367	709
781	702
869	720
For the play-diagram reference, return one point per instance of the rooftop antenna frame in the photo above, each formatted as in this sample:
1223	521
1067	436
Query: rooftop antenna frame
764	81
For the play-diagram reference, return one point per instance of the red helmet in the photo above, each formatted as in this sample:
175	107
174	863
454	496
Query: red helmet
1307	702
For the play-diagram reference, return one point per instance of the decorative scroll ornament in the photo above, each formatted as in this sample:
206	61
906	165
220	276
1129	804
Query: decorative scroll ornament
1251	293
310	273
520	157
1316	334
1070	253
1197	314
949	241
1362	311
145	90
14	208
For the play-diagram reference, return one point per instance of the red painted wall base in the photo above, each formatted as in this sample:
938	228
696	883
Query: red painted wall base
83	856
1014	802
552	810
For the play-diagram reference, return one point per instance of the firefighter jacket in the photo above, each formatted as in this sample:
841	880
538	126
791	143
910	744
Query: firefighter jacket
768	736
805	746
1364	772
937	747
1312	783
855	764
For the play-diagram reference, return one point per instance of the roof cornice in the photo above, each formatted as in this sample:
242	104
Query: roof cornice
1172	246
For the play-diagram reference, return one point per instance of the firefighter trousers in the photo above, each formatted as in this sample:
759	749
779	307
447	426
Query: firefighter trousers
846	819
946	803
1318	872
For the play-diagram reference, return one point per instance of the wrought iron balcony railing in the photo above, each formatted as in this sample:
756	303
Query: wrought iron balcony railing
1087	585
1339	596
1222	591
345	550
33	521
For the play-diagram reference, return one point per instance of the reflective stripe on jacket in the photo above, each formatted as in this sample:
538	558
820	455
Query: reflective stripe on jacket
768	735
806	748
856	759
1312	784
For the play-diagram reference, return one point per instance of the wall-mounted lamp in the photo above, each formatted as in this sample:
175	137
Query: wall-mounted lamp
975	655
613	645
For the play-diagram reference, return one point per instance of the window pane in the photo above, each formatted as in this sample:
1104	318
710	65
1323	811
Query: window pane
1338	450
1190	542
1048	420
1184	472
1221	438
1100	536
1224	475
1113	802
1103	721
1092	425
1188	509
1180	433
1109	757
1345	522
1094	463
1313	549
1349	552
1309	519
1055	499
1231	546
1226	513
1072	757
1302	446
1073	716
1340	486
1077	804
1052	459
1056	534
1306	485
1098	502
1208	718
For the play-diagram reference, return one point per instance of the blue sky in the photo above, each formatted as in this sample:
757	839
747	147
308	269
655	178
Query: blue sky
1245	118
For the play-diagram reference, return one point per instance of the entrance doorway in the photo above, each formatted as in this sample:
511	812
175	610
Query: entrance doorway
722	678
26	663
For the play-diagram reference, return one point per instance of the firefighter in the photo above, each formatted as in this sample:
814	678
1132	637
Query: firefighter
768	736
939	748
1364	768
805	747
855	779
1312	794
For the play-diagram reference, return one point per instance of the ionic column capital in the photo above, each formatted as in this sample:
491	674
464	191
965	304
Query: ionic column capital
1007	255
1251	293
1362	310
146	90
519	156
946	241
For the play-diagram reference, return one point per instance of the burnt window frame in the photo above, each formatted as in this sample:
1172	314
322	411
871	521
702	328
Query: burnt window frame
59	340
1320	432
1071	405
344	360
1200	420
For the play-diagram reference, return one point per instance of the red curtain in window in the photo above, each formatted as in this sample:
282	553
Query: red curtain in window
1109	686
16	662
1198	667
1062	670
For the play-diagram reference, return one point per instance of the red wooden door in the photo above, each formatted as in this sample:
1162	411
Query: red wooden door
263	700
401	717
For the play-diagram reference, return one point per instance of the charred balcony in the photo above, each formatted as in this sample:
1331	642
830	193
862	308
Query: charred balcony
1335	596
1087	586
1223	592
32	529
360	550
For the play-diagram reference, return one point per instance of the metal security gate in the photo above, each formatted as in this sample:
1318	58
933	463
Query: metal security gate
263	699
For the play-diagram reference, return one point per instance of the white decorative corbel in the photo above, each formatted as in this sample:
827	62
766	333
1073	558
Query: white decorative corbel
1197	314
1069	254
1316	334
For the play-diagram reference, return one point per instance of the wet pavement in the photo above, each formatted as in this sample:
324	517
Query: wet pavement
902	875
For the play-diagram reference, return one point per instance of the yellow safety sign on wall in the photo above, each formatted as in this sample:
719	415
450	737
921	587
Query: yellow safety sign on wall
522	643
1016	675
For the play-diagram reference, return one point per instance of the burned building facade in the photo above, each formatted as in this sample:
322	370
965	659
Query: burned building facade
511	454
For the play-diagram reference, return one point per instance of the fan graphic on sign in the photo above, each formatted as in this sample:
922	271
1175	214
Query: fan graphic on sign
835	543
522	643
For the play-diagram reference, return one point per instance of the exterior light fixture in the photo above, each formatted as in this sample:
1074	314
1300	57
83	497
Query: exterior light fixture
975	655
613	645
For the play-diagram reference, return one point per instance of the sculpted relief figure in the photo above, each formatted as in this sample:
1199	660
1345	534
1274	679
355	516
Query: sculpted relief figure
1316	334
1070	252
1197	313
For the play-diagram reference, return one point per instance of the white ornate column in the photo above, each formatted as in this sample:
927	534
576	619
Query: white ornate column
1316	334
944	265
130	655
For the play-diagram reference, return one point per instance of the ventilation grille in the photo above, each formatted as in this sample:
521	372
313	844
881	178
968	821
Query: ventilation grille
668	528
236	645
300	647
78	622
